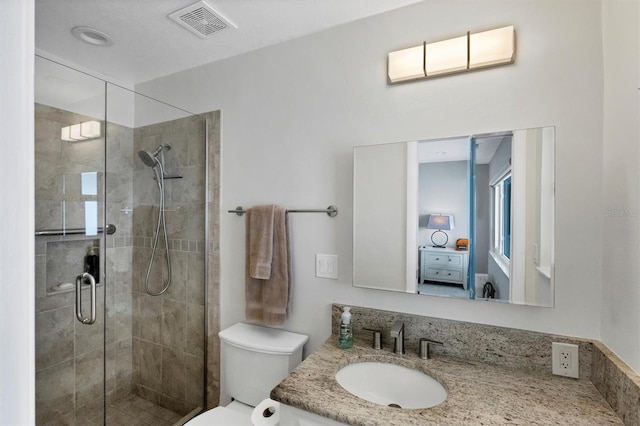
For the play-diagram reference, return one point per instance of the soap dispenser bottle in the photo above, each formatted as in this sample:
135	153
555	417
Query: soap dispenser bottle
345	338
92	263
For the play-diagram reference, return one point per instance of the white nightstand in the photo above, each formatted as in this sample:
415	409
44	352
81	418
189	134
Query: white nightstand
444	265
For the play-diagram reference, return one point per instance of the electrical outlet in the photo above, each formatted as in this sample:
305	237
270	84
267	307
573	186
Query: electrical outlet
564	359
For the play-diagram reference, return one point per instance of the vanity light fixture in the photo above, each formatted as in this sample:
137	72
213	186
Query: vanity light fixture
459	54
494	47
441	222
445	57
81	131
407	64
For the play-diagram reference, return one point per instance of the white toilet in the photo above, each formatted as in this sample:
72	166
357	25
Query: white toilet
253	360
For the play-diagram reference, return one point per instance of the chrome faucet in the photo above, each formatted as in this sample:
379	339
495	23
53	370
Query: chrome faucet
397	333
377	337
424	351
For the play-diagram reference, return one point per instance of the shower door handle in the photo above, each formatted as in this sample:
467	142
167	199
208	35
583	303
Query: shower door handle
92	316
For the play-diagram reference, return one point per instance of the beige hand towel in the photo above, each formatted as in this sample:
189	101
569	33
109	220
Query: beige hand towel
259	223
267	299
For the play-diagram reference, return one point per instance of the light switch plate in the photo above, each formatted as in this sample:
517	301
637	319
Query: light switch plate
327	266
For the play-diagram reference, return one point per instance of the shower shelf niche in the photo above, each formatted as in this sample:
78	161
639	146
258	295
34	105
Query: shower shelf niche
64	262
53	291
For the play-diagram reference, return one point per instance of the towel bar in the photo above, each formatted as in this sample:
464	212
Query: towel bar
331	211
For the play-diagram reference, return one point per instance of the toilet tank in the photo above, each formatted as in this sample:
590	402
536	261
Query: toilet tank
254	359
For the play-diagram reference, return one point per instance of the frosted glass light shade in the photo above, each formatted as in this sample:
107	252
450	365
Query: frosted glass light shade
75	132
446	56
65	134
492	47
459	54
80	131
90	129
406	64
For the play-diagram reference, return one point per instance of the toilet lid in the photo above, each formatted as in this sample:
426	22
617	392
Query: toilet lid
220	416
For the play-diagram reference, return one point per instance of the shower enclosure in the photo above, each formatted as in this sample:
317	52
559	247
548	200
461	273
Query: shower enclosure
107	350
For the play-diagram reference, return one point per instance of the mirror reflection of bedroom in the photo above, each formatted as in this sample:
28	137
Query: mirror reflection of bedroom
470	190
443	217
466	217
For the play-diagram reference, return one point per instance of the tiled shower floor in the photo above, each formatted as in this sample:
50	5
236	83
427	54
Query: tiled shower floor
134	411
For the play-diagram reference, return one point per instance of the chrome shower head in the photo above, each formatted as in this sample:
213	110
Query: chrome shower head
151	158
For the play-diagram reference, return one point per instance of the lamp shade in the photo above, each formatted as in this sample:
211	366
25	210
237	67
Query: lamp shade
440	222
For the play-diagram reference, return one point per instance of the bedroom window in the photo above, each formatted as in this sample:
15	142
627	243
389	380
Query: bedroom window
501	192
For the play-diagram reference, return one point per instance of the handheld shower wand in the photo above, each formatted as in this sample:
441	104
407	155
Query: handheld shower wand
155	158
151	159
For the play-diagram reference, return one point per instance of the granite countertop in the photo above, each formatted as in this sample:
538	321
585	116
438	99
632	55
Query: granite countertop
478	393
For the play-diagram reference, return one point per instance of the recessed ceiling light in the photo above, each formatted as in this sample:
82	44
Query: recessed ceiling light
92	36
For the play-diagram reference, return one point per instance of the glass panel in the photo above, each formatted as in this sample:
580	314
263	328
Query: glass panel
444	188
155	185
69	179
143	356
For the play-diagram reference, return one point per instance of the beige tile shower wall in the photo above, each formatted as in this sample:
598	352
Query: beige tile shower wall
168	330
70	356
213	261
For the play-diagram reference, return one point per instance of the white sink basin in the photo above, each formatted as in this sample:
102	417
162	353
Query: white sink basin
391	384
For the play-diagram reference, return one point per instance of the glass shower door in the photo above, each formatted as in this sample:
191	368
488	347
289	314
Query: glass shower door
70	245
155	185
120	326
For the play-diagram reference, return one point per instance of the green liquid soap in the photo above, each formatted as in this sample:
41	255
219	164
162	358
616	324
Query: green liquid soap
345	337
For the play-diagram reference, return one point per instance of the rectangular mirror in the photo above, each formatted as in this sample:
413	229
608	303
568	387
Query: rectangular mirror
467	217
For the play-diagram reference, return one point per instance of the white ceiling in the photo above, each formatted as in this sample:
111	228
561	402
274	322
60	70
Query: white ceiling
148	45
457	149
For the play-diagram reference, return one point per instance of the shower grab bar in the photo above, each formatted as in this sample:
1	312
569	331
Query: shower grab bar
92	316
331	211
110	230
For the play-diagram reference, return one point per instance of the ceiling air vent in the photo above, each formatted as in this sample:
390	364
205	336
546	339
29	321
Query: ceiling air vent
201	19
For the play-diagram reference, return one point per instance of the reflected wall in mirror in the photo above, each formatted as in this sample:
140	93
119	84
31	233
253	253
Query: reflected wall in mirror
468	217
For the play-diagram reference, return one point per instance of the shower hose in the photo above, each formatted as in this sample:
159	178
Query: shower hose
161	220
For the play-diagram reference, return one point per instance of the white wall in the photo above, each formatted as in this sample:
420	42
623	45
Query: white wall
17	271
621	202
380	180
443	188
293	112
